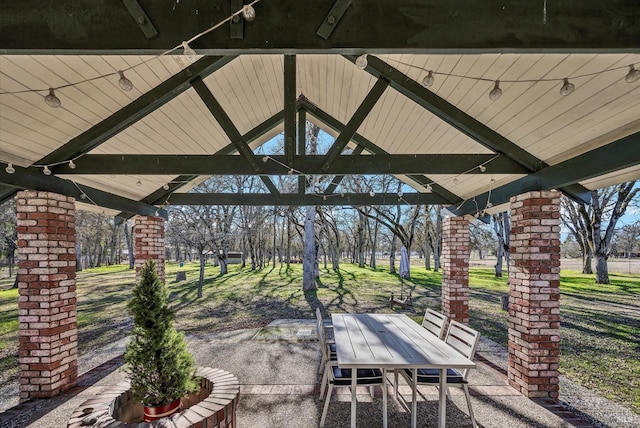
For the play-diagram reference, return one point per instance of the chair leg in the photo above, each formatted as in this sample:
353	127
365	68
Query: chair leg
326	405
371	392
466	394
323	385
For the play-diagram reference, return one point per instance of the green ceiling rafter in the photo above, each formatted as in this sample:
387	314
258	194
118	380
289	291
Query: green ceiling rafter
623	153
302	144
338	178
463	122
290	26
28	178
348	164
232	132
296	199
336	125
290	107
356	120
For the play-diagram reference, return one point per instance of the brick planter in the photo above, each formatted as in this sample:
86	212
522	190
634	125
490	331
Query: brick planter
214	407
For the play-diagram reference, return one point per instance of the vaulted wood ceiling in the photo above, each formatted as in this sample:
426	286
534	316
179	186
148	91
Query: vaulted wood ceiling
182	121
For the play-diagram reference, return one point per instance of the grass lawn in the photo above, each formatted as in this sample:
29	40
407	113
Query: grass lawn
600	329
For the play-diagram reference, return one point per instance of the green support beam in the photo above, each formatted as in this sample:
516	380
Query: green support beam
302	145
462	121
33	179
350	164
290	26
290	109
338	178
295	199
624	153
354	123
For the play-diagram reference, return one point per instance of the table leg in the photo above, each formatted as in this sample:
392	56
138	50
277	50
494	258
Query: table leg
354	383
384	398
414	396
442	411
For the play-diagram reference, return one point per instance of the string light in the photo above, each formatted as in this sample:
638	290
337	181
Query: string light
72	164
400	194
189	54
265	159
372	193
361	62
165	186
10	169
52	100
46	170
429	189
633	75
248	13
428	80
124	83
567	87
139	183
496	92
482	168
455	180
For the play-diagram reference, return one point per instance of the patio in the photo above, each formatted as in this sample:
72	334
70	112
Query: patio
279	387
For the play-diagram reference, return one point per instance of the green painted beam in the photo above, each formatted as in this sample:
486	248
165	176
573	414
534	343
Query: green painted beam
338	178
290	26
290	109
354	123
336	125
349	164
295	199
461	120
34	179
615	156
302	145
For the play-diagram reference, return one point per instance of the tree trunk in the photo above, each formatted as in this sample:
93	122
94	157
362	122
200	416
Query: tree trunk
392	256
78	256
586	263
602	269
427	256
128	234
310	257
201	278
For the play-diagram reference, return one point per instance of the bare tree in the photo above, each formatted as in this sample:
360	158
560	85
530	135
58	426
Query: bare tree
502	227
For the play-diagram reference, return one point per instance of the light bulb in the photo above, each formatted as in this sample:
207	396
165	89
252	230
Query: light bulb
290	171
265	159
489	205
72	164
46	170
124	83
361	62
248	13
83	196
324	198
496	92
428	80
138	183
342	194
633	75
400	194
189	54
567	87
10	169
482	168
429	188
52	100
372	193
455	180
165	186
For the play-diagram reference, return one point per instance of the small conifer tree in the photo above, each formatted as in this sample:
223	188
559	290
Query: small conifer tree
159	365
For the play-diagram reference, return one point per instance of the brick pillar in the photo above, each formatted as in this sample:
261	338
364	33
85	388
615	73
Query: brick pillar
534	305
149	243
48	335
455	269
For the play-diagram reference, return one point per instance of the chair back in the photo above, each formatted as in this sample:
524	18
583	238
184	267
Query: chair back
434	322
463	339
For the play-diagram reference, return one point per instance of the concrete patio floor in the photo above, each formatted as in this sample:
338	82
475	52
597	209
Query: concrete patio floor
277	368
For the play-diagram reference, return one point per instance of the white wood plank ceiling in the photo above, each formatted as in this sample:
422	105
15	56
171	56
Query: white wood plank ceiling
531	112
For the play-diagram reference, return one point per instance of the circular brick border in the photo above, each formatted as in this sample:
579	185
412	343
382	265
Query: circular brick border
215	406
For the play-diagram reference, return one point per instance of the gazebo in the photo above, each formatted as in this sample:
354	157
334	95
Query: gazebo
124	106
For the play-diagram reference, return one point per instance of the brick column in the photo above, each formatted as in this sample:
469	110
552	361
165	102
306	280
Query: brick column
455	269
48	336
534	305
149	243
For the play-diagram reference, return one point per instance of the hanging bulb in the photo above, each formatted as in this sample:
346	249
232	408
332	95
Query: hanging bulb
189	54
124	83
83	196
52	100
342	194
372	193
46	170
10	169
489	205
361	62
455	180
482	168
72	164
428	80
567	87
400	194
248	13
138	183
429	188
265	159
324	198
290	171
633	75
496	92
165	186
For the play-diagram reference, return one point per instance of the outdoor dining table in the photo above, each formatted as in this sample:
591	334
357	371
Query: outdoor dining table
393	341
